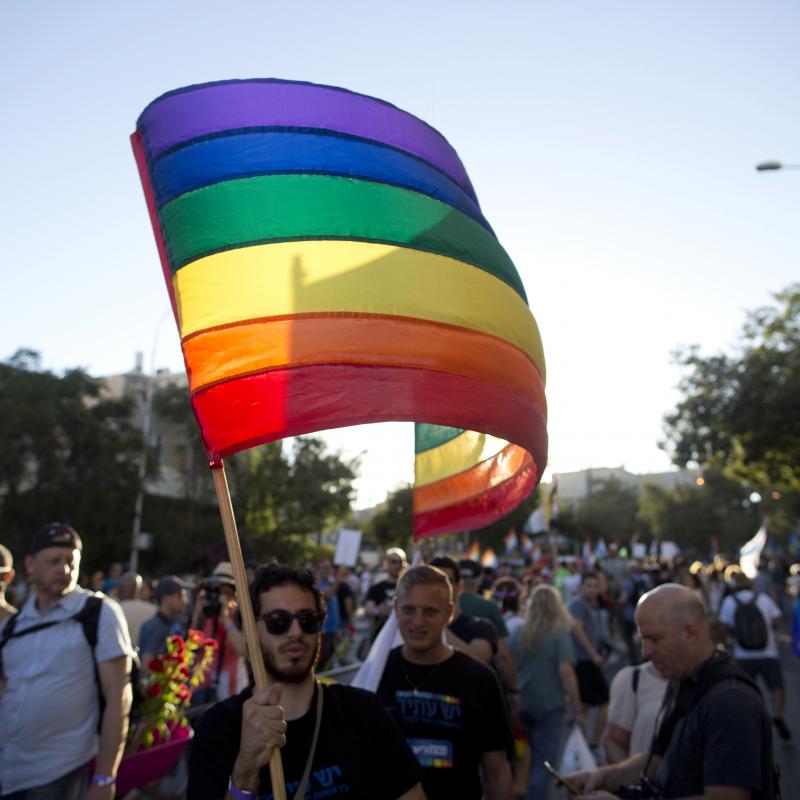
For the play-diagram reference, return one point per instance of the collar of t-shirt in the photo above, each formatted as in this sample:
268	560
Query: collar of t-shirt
63	607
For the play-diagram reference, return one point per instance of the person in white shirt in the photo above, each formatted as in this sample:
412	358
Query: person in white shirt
636	695
765	661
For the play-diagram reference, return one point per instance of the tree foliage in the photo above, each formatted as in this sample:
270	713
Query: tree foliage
609	512
739	411
66	453
288	500
690	515
392	523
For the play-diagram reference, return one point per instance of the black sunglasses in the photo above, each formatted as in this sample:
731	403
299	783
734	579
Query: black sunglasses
278	622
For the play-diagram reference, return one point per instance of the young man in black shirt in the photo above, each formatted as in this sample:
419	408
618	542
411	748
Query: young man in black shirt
448	705
359	753
713	737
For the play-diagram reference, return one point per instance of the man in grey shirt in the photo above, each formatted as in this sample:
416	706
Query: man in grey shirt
589	640
50	705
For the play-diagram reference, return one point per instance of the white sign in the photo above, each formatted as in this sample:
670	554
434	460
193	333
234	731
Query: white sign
639	550
669	550
347	547
144	541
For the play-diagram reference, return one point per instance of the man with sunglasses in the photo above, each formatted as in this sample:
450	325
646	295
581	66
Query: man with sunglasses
334	740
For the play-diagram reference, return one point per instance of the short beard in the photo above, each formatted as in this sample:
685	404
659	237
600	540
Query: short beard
298	674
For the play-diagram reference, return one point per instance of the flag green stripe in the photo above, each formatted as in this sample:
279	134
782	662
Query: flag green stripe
268	208
427	436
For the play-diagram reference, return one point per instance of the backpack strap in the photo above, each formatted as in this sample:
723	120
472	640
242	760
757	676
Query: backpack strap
89	617
721	670
635	678
89	620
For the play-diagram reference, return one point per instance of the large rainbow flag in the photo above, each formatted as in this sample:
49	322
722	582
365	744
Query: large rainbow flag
328	265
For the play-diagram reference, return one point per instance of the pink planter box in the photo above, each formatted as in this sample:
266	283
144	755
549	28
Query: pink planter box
139	769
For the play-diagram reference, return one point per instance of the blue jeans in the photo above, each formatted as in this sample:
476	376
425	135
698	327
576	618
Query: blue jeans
544	737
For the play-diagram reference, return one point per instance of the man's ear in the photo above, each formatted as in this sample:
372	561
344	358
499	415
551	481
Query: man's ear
28	565
691	631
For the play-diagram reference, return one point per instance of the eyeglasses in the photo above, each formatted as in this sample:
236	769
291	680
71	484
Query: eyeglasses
279	621
394	560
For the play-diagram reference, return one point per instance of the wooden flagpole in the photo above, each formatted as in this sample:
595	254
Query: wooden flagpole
246	608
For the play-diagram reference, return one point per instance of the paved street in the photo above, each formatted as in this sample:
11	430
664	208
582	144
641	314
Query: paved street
787	754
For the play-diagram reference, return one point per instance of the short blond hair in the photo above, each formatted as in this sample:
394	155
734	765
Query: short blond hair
425	575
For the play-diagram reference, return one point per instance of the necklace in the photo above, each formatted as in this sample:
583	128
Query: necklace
428	674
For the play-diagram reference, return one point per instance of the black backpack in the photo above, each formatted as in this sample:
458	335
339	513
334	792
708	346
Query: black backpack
749	625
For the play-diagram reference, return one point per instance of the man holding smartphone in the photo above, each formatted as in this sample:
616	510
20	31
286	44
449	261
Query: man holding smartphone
713	737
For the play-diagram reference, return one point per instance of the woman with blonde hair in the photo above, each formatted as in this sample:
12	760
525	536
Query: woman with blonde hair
543	656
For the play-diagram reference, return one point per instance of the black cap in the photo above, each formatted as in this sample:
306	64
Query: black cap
56	534
171	584
470	569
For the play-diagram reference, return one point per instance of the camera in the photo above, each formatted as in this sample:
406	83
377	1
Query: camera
644	790
212	605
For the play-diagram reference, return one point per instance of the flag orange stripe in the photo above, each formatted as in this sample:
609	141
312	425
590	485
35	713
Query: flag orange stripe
459	488
221	354
479	511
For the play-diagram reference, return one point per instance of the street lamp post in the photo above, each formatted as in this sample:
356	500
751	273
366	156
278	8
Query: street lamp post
149	389
771	166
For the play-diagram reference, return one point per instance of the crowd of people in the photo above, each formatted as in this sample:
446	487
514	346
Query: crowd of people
652	663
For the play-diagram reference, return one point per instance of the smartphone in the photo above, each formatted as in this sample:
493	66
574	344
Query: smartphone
552	770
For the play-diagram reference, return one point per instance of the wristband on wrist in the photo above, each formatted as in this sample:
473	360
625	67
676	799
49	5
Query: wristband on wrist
239	794
103	780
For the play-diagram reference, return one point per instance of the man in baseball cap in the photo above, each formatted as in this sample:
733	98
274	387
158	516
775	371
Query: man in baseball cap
51	722
55	534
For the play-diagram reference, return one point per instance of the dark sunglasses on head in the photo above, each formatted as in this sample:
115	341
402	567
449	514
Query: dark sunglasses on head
278	622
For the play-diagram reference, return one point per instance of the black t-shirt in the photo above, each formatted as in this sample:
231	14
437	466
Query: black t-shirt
724	740
342	593
468	628
383	590
360	751
453	716
380	592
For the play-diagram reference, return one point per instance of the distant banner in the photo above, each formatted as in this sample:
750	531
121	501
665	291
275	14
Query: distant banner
750	553
347	547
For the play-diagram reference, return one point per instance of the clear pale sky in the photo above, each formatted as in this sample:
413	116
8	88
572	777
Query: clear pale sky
612	146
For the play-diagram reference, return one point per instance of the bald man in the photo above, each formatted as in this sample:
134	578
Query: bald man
713	736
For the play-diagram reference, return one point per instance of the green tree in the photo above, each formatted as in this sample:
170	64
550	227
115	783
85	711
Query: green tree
285	502
609	512
690	515
67	452
393	521
739	411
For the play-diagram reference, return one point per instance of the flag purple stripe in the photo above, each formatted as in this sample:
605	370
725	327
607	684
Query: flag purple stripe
207	109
